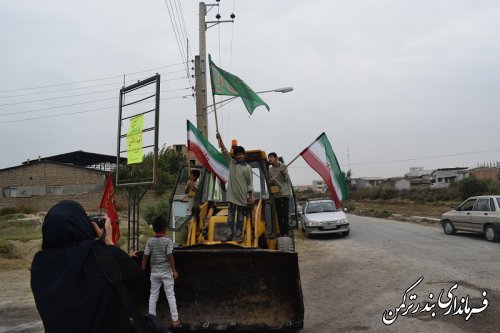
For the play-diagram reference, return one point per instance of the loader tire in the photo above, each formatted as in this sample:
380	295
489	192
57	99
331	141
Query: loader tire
285	244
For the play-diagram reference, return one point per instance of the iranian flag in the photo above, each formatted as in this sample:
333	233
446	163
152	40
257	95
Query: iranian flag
207	154
320	156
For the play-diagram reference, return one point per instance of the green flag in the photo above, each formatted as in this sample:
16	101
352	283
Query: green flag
224	83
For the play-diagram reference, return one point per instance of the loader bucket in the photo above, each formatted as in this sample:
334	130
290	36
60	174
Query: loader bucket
230	288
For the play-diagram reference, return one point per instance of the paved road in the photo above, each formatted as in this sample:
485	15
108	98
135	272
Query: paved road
348	283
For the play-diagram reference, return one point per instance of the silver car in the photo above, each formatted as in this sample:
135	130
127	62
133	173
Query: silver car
322	217
479	214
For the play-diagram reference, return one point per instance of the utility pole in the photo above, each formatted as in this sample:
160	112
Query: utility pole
200	66
200	69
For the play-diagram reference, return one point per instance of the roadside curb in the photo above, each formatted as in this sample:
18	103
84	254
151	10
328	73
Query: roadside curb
400	217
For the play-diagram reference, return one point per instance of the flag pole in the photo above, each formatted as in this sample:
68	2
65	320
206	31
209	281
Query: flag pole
286	166
215	113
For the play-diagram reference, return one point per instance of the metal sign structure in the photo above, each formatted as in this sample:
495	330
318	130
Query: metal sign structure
137	141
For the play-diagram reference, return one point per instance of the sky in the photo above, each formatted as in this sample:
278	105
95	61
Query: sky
394	84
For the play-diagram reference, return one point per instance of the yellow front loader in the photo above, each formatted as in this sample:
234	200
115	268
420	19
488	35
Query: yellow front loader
249	286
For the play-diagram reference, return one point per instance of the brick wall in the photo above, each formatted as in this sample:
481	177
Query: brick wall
49	174
484	173
89	201
83	185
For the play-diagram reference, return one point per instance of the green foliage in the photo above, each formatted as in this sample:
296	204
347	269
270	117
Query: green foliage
16	227
375	193
169	164
457	191
380	213
160	207
8	211
349	205
6	249
19	209
472	186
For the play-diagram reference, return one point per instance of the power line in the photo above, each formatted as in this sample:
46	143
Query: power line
56	107
73	104
411	159
76	95
428	157
120	83
416	158
174	27
86	102
178	23
90	80
78	112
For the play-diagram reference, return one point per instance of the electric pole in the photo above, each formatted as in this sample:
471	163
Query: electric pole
200	66
200	69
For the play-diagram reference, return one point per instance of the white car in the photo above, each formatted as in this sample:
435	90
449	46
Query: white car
320	216
479	214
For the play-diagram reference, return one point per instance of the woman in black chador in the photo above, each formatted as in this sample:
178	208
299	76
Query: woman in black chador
70	289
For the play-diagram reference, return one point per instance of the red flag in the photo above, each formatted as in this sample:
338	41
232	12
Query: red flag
108	203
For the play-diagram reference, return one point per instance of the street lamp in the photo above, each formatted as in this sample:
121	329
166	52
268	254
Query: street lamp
280	90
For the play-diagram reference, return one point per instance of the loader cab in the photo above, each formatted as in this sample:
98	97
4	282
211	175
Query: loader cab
181	203
210	189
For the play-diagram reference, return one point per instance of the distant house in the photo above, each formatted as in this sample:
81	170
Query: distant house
444	177
369	182
416	172
422	182
319	186
302	188
485	173
42	182
399	183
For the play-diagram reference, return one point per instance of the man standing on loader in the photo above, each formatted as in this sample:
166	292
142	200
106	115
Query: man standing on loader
239	189
281	180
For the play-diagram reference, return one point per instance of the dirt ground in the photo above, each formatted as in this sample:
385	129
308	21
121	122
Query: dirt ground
17	308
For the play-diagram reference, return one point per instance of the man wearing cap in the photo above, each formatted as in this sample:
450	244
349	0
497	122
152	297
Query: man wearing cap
239	189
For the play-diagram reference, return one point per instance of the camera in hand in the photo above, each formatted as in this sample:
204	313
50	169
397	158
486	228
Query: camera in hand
99	219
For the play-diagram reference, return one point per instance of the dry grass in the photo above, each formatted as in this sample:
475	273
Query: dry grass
403	208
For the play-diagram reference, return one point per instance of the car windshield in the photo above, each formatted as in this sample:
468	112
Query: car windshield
320	207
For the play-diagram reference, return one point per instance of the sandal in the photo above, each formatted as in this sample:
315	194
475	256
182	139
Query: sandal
176	324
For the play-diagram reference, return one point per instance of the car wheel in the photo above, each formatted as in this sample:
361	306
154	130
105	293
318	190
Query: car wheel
305	232
448	228
490	233
346	233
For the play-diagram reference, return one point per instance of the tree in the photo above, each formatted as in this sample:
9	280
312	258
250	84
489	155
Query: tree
169	164
471	186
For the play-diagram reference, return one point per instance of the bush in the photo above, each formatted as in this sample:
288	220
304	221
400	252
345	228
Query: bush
6	249
19	209
159	208
349	205
380	213
472	186
8	211
361	194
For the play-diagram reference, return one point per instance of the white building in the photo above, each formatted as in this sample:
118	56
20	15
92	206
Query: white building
417	172
444	177
319	186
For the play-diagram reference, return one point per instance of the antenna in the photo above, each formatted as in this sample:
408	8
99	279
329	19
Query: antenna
348	159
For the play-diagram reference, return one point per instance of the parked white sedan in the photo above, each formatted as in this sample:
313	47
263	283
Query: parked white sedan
322	217
479	214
